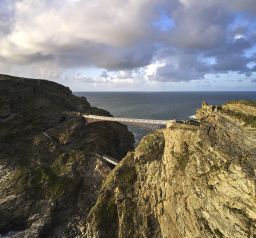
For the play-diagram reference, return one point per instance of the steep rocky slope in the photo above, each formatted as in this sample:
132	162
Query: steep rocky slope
49	177
185	181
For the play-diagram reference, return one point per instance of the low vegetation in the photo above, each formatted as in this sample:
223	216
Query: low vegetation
244	102
248	120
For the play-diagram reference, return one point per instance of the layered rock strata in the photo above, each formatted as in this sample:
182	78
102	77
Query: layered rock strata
185	181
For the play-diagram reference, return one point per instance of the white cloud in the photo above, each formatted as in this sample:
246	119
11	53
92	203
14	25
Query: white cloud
39	24
150	71
45	38
122	77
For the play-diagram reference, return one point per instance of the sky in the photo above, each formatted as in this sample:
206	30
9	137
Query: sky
131	45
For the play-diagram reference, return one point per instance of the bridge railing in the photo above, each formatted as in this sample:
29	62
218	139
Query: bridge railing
143	123
127	120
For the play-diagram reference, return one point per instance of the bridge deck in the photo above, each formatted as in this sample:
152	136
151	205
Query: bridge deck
106	158
127	120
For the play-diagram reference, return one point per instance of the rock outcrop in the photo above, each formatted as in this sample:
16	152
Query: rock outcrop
185	181
49	176
190	180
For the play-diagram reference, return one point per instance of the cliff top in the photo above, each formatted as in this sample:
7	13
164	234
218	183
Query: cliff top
242	112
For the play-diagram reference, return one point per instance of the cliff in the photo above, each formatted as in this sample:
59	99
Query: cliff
185	181
188	180
49	177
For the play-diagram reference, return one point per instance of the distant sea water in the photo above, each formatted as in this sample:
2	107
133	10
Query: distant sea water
158	105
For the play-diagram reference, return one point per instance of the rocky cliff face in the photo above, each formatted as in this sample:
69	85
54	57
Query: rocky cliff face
185	181
49	177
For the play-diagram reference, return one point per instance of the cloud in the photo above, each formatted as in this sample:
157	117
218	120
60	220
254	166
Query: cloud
122	77
179	66
113	34
6	16
199	24
156	41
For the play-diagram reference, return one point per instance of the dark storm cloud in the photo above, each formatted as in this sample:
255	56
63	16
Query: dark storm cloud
204	41
104	56
190	64
199	26
231	56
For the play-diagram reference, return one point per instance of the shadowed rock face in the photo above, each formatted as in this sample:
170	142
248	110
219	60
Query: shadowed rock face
49	179
185	181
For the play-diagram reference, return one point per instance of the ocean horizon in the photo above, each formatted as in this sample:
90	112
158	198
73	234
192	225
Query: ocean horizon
180	105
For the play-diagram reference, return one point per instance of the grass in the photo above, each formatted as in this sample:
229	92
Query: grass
106	215
106	211
244	102
40	182
248	120
48	182
127	175
151	146
63	164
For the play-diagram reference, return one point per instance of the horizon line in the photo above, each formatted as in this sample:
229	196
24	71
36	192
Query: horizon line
178	91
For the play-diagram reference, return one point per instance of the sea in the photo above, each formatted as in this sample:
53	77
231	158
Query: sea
158	105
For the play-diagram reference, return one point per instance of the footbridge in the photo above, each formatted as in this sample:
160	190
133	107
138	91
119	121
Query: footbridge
105	158
145	123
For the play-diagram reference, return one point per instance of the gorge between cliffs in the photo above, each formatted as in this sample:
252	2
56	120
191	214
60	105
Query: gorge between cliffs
188	180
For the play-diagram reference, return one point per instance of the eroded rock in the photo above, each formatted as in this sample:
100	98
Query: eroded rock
49	179
185	181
